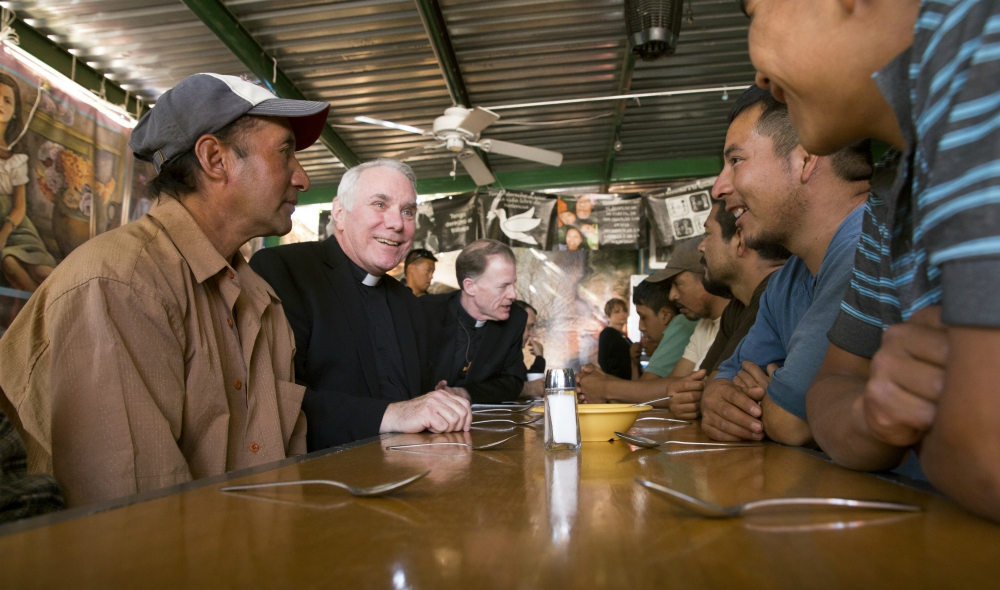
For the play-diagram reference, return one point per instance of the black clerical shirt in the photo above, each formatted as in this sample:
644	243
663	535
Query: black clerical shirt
469	336
378	318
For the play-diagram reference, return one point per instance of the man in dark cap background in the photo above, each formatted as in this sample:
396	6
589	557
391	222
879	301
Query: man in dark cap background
418	270
154	355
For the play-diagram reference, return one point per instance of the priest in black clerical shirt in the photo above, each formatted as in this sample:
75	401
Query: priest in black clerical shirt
360	339
474	335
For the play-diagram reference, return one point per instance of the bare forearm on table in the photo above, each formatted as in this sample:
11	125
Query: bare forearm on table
835	404
612	389
961	452
782	426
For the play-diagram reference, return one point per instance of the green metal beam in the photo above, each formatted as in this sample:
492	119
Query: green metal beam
437	32
57	58
238	39
548	178
624	84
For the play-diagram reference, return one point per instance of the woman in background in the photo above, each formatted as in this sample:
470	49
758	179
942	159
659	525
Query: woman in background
613	347
23	256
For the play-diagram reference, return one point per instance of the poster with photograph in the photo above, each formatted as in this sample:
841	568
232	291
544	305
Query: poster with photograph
595	221
63	176
680	212
525	220
446	224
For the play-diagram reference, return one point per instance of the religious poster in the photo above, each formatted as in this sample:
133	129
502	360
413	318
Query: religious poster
63	174
446	224
520	219
680	212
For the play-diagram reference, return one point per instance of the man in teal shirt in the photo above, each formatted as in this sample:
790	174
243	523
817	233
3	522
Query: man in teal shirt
675	339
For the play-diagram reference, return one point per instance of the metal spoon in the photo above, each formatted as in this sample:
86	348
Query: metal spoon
652	401
664	419
648	443
455	444
715	511
364	492
505	421
502	407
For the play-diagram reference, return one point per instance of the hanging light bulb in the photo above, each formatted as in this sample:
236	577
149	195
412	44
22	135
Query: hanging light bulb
725	94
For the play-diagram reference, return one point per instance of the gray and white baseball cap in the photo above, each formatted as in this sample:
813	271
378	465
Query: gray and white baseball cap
205	103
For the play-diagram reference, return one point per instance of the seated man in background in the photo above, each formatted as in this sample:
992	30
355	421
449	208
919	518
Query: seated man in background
733	271
418	270
153	355
912	355
359	334
475	334
613	346
782	194
670	331
529	343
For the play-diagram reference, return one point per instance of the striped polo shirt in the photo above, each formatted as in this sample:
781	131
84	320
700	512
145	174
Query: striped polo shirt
931	232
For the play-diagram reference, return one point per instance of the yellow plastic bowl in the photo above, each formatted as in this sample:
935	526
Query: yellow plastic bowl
598	422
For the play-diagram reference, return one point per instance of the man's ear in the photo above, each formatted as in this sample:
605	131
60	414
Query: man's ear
469	286
337	213
664	315
739	244
808	163
212	156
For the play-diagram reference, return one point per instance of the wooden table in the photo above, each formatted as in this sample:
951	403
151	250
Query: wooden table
516	517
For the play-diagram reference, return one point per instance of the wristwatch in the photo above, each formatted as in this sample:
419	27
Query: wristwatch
11	221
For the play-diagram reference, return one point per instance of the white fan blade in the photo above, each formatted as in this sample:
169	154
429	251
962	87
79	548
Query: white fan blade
516	150
477	120
391	125
477	169
417	151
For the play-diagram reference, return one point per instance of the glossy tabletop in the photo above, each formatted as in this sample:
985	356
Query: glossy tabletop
519	517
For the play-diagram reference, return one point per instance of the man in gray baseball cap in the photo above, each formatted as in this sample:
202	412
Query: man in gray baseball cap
154	355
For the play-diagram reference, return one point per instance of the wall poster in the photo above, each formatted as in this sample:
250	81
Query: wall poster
64	174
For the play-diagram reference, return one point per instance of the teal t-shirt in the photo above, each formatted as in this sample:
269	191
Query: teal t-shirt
671	348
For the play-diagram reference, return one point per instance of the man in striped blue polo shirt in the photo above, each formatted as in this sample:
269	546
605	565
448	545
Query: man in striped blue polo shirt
912	357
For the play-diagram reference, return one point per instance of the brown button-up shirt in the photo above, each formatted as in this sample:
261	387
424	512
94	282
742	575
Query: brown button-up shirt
147	360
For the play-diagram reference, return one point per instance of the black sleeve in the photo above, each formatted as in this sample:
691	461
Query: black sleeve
538	366
507	386
613	354
332	417
337	417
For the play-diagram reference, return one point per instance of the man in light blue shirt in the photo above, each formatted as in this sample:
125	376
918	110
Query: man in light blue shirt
813	206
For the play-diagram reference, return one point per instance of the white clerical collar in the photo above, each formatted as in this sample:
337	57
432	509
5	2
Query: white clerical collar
371	281
480	323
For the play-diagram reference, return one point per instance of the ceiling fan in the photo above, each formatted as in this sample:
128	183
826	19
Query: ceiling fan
458	131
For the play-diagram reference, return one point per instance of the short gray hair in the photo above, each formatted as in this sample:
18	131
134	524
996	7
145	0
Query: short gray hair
347	191
473	260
